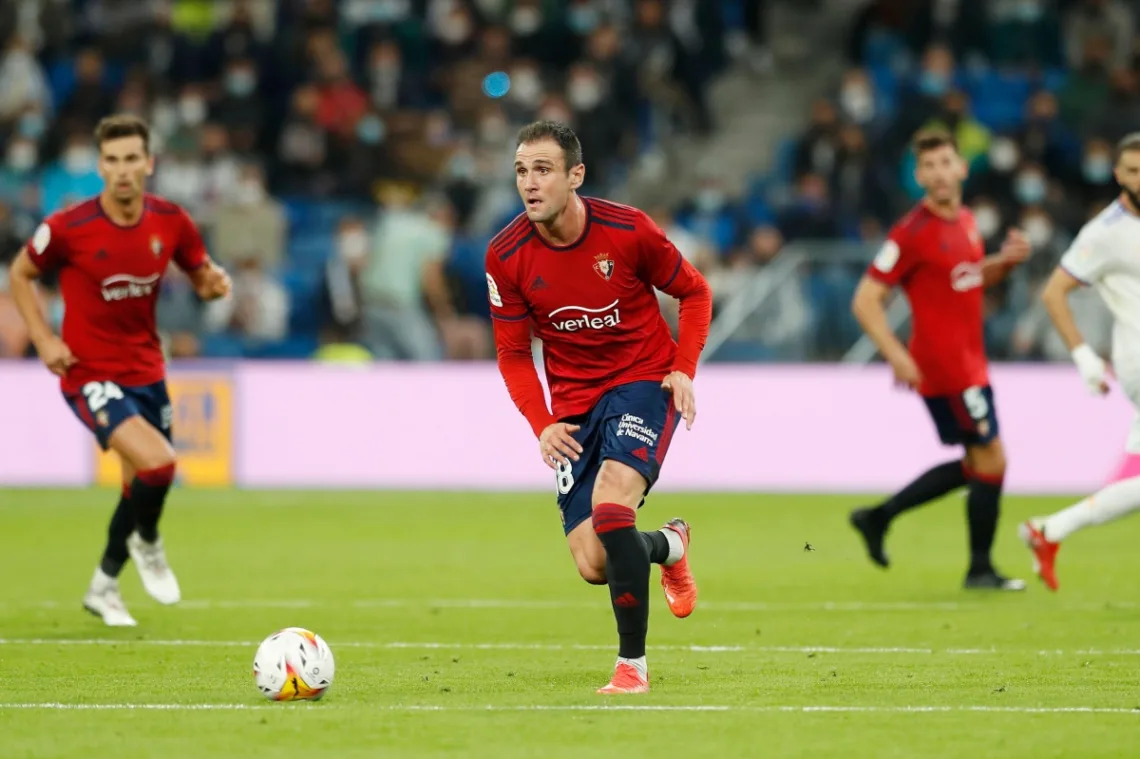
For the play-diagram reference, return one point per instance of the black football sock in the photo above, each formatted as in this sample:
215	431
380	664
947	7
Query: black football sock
627	568
122	524
929	485
657	545
148	491
983	504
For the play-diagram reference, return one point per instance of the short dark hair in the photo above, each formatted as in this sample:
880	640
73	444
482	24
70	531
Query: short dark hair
122	125
1128	144
557	131
932	139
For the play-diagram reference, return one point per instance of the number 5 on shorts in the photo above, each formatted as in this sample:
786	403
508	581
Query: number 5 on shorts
564	477
976	404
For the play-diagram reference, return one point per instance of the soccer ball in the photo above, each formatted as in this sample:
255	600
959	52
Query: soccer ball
293	664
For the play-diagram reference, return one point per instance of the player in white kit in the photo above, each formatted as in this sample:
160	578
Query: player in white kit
1106	256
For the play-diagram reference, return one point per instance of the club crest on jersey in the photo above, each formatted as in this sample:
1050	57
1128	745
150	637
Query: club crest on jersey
156	246
604	266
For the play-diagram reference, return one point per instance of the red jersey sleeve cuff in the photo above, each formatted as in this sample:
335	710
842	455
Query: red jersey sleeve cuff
539	422
685	365
880	276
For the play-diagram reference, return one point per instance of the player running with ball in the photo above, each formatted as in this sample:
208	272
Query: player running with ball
110	252
937	256
1104	255
581	272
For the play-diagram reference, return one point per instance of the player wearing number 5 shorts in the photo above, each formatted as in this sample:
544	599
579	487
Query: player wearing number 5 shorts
110	253
937	257
580	272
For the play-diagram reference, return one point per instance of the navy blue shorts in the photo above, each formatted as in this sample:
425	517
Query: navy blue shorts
632	424
966	418
103	406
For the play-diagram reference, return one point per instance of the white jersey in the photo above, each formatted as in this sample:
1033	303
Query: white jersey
1106	256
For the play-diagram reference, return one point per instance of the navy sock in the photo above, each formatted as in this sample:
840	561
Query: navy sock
122	524
627	569
928	486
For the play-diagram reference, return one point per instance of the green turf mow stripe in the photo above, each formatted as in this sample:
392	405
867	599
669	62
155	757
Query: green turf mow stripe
50	706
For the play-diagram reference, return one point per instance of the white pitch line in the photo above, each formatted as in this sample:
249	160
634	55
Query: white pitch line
522	603
520	646
431	708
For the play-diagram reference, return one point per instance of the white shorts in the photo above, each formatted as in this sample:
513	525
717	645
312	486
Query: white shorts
1129	380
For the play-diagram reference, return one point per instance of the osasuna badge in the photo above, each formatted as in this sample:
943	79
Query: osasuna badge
604	266
156	246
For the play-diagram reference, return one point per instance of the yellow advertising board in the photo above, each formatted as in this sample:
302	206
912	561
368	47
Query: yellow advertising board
202	406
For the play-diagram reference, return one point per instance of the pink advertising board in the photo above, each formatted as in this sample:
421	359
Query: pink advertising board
763	428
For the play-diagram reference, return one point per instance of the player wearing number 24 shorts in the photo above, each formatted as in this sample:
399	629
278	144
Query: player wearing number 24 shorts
110	253
581	274
937	257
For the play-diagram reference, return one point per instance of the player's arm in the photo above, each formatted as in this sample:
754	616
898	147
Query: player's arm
1055	296
665	268
22	275
210	281
869	307
1014	252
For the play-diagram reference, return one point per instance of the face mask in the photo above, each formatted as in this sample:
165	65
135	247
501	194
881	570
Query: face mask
192	110
462	167
1029	11
932	84
384	11
240	83
1039	231
384	71
1030	188
493	130
583	94
1003	156
353	245
1097	169
454	30
22	156
582	19
988	221
526	88
79	160
370	130
32	126
526	21
858	103
250	192
709	200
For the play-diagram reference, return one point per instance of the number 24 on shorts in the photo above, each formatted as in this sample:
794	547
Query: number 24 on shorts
98	394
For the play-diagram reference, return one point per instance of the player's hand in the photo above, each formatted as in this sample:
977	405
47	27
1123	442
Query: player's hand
1093	369
56	355
681	386
1016	249
557	444
906	371
213	283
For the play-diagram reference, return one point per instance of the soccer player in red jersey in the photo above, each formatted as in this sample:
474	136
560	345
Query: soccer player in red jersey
937	257
581	273
110	253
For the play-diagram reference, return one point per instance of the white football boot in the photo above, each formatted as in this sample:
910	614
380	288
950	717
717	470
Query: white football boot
103	600
157	578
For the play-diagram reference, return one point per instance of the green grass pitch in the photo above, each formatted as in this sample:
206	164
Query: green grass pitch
460	629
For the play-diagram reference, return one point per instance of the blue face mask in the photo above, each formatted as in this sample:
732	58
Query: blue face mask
32	126
932	84
1097	169
582	19
370	130
1029	11
1030	189
241	83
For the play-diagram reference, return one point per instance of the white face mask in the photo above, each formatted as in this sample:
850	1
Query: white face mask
192	110
493	130
79	160
250	192
454	29
988	220
1039	230
858	103
1003	155
526	88
526	20
22	156
353	245
584	94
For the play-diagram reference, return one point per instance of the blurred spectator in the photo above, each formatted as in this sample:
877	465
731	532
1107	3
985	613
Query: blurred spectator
1086	87
340	101
258	309
253	225
73	177
818	146
23	84
90	98
954	115
180	314
1044	138
1112	20
1118	115
343	315
810	213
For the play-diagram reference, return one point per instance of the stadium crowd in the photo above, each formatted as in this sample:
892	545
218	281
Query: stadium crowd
348	167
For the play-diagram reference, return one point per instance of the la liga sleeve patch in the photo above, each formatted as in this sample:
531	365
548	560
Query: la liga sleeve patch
887	257
41	239
493	292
